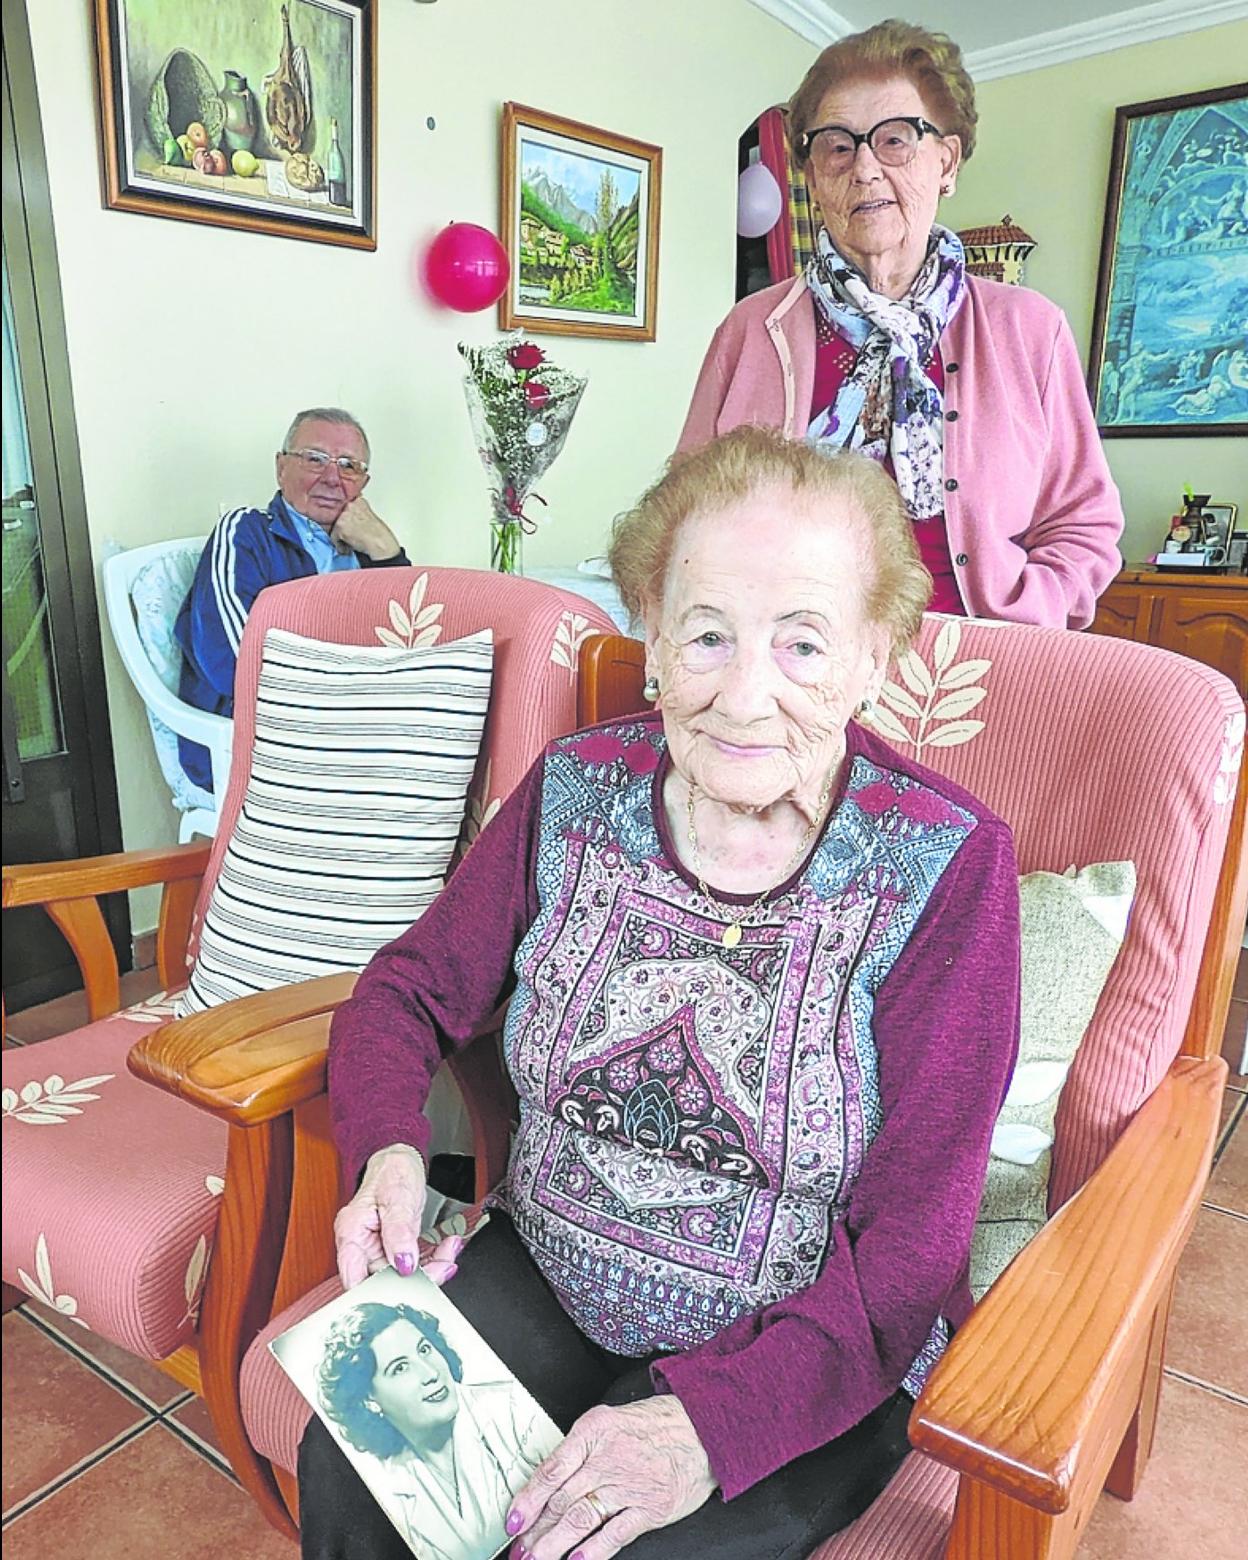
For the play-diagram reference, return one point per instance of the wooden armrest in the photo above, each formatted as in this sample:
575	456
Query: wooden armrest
1032	1395
69	892
39	882
249	1060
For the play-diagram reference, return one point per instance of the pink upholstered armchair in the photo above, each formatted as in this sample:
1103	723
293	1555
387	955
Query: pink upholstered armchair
159	1225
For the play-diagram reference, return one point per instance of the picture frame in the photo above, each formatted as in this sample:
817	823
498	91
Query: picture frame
580	223
1223	516
1167	356
259	115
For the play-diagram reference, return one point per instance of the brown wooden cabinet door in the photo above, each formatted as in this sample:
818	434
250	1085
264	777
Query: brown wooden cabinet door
1122	613
1210	626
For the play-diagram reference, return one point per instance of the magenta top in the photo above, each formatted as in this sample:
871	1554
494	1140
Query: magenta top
834	359
761	1162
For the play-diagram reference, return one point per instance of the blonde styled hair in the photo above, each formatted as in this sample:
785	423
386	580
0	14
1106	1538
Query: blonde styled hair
931	60
751	460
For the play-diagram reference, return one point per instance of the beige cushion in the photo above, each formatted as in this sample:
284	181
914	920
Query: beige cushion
1073	925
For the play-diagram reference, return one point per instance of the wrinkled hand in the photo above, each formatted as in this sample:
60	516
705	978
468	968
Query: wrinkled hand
642	1463
360	529
379	1227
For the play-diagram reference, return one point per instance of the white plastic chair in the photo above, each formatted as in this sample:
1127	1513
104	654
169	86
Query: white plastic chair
144	588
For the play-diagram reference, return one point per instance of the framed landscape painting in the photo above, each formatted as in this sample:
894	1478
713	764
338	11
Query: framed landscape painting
254	114
1169	348
580	222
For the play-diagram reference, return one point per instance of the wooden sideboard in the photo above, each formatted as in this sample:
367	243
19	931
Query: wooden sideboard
1204	617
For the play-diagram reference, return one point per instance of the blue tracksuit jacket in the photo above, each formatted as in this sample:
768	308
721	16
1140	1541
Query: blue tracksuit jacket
248	550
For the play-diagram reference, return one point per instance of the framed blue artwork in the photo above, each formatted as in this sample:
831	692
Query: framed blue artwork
1170	333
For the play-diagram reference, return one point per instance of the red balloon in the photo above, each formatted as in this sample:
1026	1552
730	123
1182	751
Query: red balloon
466	268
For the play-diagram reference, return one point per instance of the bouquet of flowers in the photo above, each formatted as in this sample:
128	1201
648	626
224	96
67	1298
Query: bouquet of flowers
521	407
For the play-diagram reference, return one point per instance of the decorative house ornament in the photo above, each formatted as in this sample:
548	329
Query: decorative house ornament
997	252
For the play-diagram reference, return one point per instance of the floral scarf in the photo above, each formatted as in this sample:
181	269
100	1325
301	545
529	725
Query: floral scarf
887	405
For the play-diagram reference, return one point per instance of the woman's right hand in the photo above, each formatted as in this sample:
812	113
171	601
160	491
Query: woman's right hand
379	1227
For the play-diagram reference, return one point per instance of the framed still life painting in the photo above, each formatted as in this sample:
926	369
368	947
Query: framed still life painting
254	114
1169	350
580	222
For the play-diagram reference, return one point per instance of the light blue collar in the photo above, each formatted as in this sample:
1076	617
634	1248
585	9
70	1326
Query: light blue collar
317	544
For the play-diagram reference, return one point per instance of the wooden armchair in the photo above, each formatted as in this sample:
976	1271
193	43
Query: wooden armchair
163	1227
1093	749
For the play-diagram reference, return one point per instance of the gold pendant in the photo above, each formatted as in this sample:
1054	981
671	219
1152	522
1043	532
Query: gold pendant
732	934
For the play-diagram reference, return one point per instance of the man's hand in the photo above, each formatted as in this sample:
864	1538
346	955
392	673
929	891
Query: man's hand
379	1226
359	529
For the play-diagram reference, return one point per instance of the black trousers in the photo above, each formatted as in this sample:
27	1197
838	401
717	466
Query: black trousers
499	1289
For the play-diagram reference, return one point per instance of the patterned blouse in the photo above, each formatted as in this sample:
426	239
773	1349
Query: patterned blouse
759	1163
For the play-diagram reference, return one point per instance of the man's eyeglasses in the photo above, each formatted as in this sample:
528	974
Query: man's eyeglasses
349	469
894	142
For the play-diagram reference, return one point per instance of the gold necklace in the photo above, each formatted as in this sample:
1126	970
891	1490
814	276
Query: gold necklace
731	934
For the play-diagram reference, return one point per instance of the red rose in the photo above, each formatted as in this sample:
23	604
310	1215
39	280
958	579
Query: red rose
525	356
536	395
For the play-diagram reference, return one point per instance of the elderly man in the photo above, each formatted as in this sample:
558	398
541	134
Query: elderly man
318	522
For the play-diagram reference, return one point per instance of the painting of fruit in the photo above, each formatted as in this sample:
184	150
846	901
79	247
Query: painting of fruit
187	133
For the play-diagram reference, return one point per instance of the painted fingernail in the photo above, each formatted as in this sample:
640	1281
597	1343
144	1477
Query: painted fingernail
403	1263
577	1554
513	1525
451	1272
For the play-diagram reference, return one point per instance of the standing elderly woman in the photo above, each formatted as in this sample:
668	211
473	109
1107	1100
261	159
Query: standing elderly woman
763	983
970	392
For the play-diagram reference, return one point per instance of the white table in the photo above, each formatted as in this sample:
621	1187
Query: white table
592	586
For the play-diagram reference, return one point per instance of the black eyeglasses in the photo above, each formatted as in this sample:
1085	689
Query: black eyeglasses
349	469
894	142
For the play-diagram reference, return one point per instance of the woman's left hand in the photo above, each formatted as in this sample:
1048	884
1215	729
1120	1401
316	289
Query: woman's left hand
619	1473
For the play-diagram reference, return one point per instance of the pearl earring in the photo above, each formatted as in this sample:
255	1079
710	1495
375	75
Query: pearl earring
650	690
865	708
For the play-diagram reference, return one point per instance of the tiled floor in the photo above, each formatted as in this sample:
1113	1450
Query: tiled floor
105	1458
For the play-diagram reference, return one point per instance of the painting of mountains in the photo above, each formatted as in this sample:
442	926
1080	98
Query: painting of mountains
578	231
580	212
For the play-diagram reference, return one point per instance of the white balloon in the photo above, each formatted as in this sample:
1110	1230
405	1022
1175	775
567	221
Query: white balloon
759	201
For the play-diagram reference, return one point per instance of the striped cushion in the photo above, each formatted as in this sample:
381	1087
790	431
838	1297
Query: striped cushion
359	777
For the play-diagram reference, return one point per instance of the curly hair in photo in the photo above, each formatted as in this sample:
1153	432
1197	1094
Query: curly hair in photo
348	1366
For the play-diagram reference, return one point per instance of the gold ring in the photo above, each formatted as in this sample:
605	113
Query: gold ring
594	1501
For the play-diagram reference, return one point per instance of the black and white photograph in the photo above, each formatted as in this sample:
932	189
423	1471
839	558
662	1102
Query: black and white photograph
432	1420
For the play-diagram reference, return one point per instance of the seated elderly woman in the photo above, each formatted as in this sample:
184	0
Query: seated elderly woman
453	1453
972	393
763	983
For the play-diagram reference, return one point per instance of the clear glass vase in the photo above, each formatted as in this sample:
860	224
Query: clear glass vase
506	544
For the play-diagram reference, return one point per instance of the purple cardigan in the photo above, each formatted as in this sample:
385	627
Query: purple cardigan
1032	513
938	995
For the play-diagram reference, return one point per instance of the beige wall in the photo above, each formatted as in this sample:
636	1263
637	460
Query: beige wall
1043	156
190	347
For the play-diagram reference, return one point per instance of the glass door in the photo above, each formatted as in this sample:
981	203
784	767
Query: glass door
59	792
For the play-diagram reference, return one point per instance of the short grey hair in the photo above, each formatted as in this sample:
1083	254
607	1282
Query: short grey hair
329	414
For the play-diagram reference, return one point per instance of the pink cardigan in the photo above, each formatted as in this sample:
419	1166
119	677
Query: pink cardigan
1032	512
